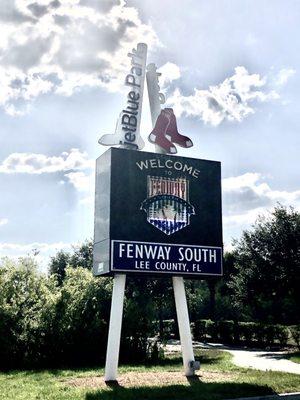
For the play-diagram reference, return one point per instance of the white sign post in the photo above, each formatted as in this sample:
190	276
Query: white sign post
156	99
127	135
115	325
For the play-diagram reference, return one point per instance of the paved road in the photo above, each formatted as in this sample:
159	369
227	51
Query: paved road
264	360
261	360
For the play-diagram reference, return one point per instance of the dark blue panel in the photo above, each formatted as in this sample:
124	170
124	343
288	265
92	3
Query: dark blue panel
158	258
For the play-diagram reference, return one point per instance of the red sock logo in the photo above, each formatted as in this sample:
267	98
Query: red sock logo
172	133
158	135
165	133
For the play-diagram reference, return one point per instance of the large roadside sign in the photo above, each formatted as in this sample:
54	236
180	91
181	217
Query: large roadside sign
157	214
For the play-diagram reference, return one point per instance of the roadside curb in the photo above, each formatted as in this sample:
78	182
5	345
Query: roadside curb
288	396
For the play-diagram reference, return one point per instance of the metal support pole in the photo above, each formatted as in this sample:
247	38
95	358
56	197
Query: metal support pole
184	325
115	324
156	99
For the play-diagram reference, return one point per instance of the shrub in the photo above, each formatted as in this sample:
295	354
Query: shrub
226	331
247	330
236	332
200	330
211	330
137	324
25	297
295	332
205	329
43	325
269	335
281	334
169	328
258	333
76	332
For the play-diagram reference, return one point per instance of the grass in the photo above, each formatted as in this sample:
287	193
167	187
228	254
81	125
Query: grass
219	379
295	357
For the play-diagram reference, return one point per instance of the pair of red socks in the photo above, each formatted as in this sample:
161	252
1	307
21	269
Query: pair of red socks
165	133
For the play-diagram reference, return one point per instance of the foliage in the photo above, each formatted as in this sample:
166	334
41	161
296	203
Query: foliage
295	333
226	331
265	286
58	265
42	324
250	333
82	257
281	334
79	322
138	317
46	324
26	299
295	357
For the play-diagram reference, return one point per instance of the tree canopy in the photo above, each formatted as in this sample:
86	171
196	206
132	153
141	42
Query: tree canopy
266	281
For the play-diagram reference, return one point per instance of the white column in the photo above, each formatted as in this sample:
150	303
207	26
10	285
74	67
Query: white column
116	312
156	99
115	324
183	325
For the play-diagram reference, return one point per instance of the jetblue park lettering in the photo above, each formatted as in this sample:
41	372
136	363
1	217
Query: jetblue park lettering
164	258
130	116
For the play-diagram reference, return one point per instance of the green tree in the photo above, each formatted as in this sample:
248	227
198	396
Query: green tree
58	265
26	298
138	319
267	260
77	332
82	256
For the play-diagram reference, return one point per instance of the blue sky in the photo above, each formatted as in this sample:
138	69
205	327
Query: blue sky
230	70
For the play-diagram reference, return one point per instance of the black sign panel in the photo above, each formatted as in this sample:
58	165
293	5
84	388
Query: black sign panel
156	213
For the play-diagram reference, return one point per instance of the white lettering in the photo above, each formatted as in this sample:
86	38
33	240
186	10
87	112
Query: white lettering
205	254
178	166
167	249
181	258
129	250
142	164
160	253
169	163
150	251
121	249
153	163
159	163
213	256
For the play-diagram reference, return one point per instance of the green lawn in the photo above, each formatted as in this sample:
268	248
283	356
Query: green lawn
294	357
220	380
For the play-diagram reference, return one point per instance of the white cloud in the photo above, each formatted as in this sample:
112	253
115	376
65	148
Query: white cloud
87	201
34	163
81	181
77	168
3	221
247	196
25	249
284	75
61	46
230	100
169	73
40	251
